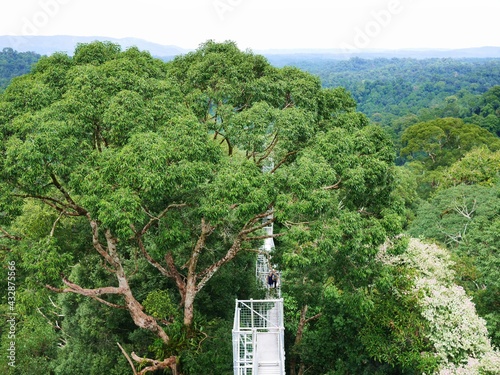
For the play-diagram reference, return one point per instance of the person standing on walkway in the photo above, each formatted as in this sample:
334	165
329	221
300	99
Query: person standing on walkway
270	279
275	278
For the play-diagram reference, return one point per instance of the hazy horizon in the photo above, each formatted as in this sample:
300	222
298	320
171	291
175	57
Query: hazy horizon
263	25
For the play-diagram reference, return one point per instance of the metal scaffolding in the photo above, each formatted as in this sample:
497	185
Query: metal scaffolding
258	331
264	267
258	337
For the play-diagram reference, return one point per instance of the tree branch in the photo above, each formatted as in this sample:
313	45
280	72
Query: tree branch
155	364
52	202
171	272
146	255
55	223
97	244
263	237
269	149
283	161
206	230
176	275
9	236
464	210
92	293
334	186
81	211
163	213
208	272
303	321
248	228
244	232
151	260
317	316
128	358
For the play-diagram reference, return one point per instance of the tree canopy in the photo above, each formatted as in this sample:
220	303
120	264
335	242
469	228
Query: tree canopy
134	194
13	64
156	163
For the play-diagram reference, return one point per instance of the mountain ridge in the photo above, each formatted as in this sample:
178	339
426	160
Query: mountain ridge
47	45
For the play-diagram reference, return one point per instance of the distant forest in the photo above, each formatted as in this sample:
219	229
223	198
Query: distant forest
13	64
399	92
394	93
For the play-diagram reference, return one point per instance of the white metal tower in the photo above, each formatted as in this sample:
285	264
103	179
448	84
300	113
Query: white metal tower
258	330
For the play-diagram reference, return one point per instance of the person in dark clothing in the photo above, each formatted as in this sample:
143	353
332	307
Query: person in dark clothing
270	280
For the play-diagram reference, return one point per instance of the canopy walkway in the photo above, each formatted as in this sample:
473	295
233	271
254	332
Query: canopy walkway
258	330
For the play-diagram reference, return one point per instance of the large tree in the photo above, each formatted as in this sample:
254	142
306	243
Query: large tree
130	186
119	155
431	147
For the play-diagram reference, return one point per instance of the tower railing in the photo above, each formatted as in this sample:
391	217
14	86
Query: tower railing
258	329
258	337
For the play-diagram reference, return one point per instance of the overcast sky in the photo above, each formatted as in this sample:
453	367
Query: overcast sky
265	24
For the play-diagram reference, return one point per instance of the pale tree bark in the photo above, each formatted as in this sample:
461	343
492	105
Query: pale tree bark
109	252
9	236
6	234
190	284
135	309
191	289
155	365
196	281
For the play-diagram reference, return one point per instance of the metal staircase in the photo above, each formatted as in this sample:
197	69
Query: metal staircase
258	330
258	337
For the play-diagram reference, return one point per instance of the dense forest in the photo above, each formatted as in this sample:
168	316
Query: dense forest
399	92
13	64
133	202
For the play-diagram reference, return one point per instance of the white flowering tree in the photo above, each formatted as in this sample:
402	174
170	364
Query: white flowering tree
458	334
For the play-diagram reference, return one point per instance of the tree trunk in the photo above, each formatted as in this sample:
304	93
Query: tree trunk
189	301
295	358
136	310
298	339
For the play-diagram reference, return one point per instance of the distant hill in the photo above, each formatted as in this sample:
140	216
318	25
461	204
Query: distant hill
479	52
13	64
294	57
46	45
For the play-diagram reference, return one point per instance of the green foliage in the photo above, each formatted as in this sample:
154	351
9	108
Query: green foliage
167	161
35	346
485	111
463	214
91	330
13	64
81	360
443	141
454	213
393	91
479	166
95	53
433	146
159	304
128	142
458	334
214	354
399	336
